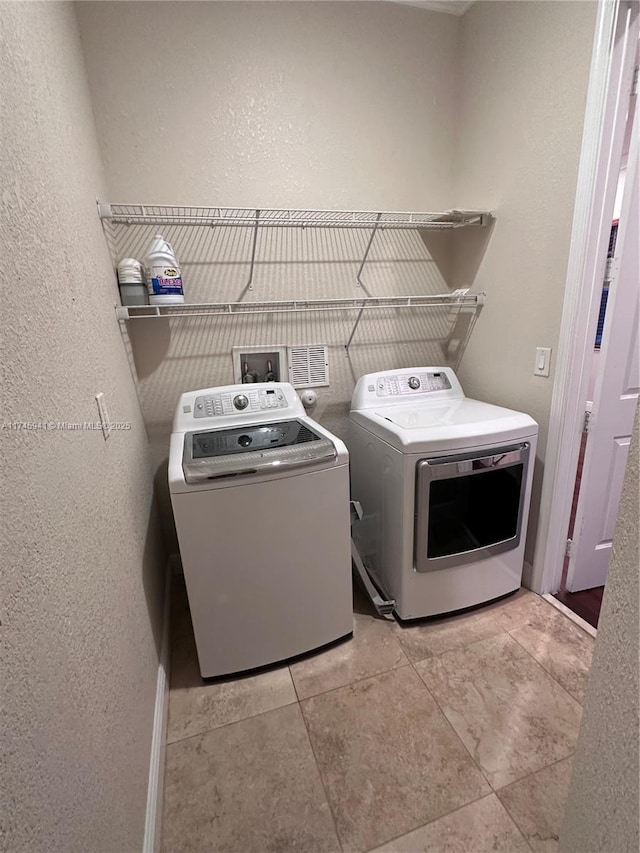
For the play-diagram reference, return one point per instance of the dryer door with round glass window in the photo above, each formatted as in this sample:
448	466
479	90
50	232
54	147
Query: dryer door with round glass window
469	506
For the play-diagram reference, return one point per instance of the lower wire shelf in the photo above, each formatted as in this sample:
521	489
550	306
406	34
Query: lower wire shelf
454	301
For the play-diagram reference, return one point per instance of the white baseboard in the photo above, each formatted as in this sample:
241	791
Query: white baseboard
155	790
593	632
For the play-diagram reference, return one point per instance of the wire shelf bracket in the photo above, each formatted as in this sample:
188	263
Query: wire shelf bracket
366	251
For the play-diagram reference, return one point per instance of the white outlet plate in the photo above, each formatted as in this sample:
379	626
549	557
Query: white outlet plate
105	423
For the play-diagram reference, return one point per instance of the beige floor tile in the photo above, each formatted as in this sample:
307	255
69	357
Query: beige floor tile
518	609
560	646
481	827
195	706
425	639
199	707
389	760
512	716
251	786
373	649
537	804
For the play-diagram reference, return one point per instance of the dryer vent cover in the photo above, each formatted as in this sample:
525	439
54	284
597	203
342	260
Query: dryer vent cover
309	366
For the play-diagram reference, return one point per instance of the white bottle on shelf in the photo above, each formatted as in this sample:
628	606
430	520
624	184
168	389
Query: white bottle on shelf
164	281
131	282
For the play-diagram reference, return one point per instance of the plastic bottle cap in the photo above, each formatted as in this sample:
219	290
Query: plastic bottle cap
130	271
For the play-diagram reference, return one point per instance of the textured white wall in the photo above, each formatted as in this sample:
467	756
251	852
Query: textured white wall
525	69
341	105
274	104
81	568
603	807
365	105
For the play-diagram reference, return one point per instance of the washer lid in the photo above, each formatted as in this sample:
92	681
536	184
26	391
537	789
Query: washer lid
250	449
444	425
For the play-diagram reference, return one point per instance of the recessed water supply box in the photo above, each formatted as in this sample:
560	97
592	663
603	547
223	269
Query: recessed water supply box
263	363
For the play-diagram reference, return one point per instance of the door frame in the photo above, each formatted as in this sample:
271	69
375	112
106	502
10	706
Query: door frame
615	403
612	69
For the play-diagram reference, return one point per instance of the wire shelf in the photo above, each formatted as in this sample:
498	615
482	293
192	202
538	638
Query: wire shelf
208	309
153	214
257	218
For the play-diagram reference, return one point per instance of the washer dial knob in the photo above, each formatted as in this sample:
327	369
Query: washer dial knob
241	401
413	382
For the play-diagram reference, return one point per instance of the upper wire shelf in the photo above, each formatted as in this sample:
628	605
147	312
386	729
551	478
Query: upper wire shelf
155	214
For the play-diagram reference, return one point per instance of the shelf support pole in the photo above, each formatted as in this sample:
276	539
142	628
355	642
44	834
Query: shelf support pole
253	250
366	254
353	331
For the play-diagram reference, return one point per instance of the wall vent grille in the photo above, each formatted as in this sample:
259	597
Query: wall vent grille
309	366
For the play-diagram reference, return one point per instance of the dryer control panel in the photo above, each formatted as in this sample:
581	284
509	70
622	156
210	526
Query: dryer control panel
410	383
389	387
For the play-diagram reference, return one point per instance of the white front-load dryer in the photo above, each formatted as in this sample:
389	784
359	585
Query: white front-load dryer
260	496
445	485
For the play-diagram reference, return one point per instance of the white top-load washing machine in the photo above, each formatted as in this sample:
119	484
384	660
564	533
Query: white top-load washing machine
260	496
444	483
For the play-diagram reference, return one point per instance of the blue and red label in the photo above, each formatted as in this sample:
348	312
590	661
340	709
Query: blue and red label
165	281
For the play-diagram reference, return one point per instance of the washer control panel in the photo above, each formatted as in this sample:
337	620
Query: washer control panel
249	400
399	384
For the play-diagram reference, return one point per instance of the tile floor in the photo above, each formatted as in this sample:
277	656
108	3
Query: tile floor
454	735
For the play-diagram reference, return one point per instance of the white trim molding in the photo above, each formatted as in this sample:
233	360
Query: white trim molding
582	623
600	156
155	790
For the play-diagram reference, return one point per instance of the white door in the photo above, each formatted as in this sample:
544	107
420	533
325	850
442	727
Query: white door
615	398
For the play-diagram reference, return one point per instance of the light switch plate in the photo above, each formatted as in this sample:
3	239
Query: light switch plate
543	361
